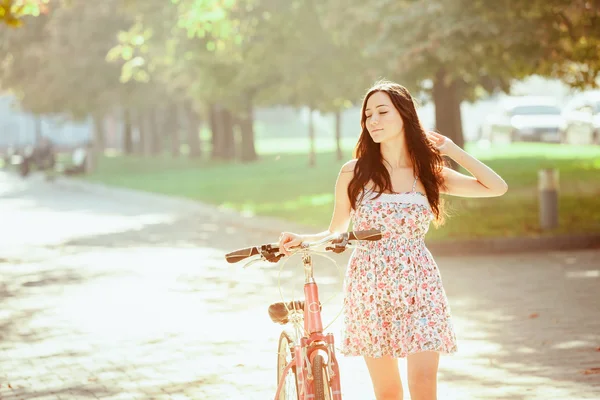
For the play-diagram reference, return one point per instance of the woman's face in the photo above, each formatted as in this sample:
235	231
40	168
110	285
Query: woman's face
382	120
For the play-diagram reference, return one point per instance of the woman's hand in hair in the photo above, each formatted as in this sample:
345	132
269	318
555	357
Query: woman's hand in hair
440	141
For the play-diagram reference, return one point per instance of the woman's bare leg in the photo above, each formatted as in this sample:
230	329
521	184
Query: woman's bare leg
385	376
422	375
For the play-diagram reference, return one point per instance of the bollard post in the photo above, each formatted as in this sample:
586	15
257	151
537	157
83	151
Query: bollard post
548	198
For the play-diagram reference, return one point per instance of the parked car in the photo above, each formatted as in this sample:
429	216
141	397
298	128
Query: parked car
582	119
526	118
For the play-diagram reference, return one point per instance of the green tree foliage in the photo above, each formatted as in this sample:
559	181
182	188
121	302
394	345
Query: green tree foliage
13	11
459	49
166	63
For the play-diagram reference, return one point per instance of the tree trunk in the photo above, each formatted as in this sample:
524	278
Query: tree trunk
246	122
311	137
338	135
127	137
154	137
222	133
99	140
142	126
172	124
214	120
447	99
228	137
193	130
136	131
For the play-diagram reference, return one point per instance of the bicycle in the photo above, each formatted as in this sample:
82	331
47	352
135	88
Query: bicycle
307	367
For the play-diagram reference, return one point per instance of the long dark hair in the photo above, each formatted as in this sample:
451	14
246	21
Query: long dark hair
426	159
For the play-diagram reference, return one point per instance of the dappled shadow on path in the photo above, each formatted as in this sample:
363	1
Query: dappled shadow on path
527	323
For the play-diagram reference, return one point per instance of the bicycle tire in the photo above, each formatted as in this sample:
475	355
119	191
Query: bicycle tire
321	379
289	390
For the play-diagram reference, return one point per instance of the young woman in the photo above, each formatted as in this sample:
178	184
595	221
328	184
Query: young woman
395	305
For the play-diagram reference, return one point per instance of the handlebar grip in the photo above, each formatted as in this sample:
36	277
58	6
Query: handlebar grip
371	234
241	254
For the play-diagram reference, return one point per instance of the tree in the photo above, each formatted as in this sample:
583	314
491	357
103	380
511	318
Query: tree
216	61
315	69
459	49
56	64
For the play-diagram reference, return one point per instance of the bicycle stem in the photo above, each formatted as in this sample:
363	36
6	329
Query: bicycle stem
308	268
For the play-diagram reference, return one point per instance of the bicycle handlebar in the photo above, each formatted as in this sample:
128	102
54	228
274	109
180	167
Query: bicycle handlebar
270	251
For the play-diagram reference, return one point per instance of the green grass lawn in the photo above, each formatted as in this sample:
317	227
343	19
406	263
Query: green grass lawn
282	185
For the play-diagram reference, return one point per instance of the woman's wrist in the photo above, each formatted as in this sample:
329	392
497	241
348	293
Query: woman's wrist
451	150
314	237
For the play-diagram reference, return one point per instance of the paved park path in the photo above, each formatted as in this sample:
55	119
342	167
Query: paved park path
115	297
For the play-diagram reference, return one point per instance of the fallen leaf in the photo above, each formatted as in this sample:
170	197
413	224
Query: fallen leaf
598	349
591	371
534	315
10	387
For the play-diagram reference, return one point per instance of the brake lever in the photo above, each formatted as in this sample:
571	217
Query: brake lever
267	254
337	248
252	262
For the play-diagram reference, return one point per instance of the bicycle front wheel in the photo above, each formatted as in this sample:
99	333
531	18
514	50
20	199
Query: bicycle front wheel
321	379
289	390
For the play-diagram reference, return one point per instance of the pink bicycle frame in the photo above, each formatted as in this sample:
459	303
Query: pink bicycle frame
312	342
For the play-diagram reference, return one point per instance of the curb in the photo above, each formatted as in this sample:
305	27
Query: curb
274	226
184	206
515	245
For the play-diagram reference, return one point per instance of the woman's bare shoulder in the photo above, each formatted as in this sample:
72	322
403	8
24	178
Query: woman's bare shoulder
349	166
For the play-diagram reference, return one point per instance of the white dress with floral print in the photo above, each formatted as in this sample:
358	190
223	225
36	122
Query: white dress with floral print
395	303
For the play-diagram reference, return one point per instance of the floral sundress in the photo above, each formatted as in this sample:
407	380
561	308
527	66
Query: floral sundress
394	301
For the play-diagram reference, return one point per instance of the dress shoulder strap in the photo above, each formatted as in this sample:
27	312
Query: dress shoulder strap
415	184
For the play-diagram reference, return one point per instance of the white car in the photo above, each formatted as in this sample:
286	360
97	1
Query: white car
527	118
582	119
